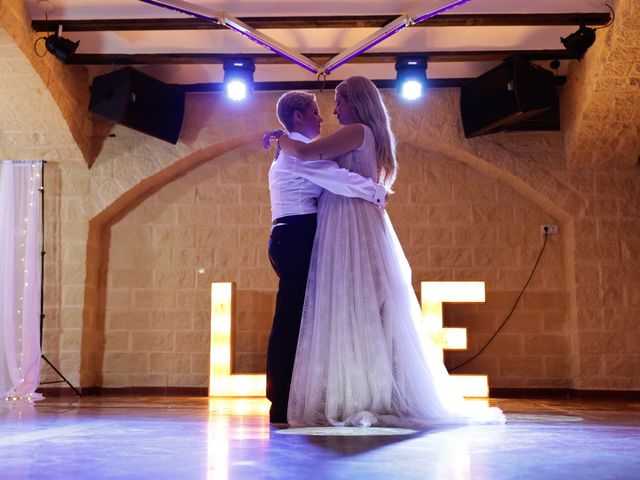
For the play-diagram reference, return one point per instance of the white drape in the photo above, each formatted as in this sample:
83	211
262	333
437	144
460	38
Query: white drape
20	236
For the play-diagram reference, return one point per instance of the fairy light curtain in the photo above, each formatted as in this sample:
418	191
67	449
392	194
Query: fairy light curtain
20	216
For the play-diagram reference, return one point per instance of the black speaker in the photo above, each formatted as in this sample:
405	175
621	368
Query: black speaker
504	96
139	101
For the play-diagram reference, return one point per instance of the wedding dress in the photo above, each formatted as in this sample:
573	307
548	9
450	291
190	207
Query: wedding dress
359	360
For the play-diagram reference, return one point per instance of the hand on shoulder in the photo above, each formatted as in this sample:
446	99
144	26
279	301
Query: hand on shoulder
270	136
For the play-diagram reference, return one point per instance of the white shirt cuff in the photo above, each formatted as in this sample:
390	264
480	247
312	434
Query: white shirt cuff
380	196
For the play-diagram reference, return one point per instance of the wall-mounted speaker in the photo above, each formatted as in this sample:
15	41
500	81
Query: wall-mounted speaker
139	101
508	94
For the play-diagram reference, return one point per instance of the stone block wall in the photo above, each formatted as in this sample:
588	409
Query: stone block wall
458	217
59	126
601	104
127	238
210	225
213	224
608	279
457	224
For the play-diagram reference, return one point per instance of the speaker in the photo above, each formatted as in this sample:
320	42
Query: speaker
504	96
139	101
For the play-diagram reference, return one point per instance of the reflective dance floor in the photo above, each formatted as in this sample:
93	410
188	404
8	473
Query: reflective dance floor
189	437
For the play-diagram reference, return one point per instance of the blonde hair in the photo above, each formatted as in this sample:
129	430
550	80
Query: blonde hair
366	101
291	102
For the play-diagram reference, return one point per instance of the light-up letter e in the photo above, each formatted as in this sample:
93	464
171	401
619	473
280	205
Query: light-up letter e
434	294
221	382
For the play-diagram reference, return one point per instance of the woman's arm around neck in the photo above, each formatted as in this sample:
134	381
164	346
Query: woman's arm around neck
342	141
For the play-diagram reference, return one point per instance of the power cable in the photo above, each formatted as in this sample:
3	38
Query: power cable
515	304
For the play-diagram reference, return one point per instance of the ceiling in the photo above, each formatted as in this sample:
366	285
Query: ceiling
460	44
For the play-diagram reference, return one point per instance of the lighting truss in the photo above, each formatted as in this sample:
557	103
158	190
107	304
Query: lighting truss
240	27
385	32
388	30
235	24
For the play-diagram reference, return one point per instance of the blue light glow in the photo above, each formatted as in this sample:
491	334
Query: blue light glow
236	90
411	90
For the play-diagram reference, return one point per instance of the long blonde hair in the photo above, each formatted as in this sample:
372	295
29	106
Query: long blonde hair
365	99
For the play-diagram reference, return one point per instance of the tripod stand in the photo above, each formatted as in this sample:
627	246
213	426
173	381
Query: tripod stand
42	315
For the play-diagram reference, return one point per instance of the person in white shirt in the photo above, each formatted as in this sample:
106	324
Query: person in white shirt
294	187
359	359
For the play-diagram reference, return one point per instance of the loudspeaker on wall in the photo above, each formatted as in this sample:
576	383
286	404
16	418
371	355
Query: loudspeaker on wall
136	100
505	96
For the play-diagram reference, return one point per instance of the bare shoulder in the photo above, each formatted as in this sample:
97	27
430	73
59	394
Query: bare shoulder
355	127
355	131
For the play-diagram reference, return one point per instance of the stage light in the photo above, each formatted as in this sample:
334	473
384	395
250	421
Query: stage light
60	47
411	77
411	90
236	90
579	42
238	78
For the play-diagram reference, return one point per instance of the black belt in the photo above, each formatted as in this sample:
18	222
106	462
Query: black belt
297	220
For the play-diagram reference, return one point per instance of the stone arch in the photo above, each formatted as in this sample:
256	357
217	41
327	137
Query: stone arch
530	180
98	248
492	155
536	185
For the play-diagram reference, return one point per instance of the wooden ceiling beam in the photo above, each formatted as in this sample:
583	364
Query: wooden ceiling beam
270	59
360	21
330	84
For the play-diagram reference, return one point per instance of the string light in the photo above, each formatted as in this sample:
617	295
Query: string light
28	237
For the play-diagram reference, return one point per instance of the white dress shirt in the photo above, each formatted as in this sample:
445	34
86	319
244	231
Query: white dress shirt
295	185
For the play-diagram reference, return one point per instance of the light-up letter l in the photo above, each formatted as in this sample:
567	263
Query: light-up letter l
221	382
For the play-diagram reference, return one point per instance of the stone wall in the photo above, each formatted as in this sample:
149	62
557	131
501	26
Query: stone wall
213	225
127	238
58	95
601	103
210	225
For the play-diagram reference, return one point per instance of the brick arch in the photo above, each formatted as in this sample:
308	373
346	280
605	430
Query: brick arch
533	182
92	344
435	125
489	155
536	185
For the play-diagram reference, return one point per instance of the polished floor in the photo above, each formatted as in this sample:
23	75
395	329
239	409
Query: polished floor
185	438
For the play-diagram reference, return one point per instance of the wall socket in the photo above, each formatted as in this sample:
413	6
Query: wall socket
551	229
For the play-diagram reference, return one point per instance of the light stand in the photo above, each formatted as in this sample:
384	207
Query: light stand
42	253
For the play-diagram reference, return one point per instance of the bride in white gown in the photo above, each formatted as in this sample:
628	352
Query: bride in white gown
359	360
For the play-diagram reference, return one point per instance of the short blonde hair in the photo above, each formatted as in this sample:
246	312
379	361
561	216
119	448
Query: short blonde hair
291	102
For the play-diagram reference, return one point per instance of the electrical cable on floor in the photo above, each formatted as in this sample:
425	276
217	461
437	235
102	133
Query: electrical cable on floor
515	304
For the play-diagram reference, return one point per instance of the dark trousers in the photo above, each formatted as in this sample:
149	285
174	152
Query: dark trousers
290	248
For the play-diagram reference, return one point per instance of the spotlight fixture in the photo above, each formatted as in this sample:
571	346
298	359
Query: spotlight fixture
411	77
579	42
238	78
60	47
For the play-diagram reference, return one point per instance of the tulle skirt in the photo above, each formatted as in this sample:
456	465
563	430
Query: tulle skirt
359	360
